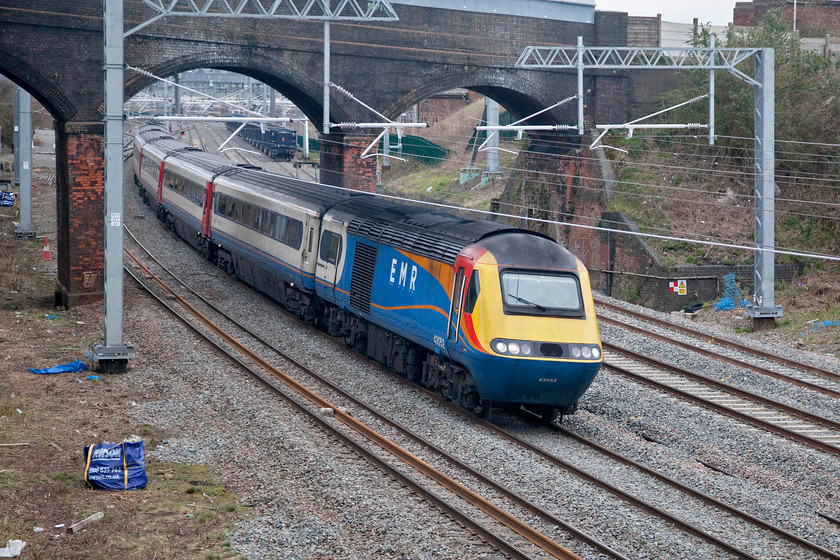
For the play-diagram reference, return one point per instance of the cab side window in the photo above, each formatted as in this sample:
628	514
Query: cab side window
330	250
472	293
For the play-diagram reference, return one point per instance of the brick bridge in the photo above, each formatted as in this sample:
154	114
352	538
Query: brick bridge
54	49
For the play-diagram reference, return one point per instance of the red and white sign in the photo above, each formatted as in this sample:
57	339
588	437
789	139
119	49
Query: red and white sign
678	287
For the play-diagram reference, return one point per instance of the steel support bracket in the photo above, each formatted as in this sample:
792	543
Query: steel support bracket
113	358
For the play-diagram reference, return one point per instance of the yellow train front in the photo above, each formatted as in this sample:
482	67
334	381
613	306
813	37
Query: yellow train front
523	323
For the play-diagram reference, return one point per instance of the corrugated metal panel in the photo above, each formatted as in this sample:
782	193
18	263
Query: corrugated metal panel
361	283
435	235
418	147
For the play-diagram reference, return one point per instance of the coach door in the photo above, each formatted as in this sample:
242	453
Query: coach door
330	253
463	268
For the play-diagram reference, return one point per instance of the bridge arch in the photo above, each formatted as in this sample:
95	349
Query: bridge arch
46	91
520	97
293	82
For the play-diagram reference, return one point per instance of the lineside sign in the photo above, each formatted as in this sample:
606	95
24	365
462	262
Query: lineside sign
678	287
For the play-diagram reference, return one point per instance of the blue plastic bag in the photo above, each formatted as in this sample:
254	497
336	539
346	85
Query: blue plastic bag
72	367
116	466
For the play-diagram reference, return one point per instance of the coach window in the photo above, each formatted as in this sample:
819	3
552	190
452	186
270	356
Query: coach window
280	228
267	221
248	215
294	233
330	247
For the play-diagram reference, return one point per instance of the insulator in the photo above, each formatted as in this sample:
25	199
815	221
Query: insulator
347	126
342	90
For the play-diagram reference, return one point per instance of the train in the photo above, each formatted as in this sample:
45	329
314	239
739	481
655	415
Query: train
486	314
277	142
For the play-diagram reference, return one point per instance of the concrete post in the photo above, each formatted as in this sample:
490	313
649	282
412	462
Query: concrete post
177	80
23	153
16	140
492	146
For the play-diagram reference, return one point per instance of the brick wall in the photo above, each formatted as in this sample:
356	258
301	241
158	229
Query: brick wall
80	203
440	107
341	163
644	31
822	15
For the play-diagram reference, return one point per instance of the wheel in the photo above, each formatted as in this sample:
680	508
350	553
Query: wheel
552	415
483	408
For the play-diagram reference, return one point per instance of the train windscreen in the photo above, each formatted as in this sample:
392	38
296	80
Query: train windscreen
541	293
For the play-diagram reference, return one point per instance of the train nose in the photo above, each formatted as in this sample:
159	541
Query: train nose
551	382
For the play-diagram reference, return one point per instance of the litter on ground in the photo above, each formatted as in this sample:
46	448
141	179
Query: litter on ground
72	367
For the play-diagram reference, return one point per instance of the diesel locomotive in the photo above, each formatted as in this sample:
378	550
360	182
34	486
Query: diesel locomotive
485	313
277	142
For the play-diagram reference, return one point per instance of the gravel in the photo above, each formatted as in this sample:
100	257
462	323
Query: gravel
311	497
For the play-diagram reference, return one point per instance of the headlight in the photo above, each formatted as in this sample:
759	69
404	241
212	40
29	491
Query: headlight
555	350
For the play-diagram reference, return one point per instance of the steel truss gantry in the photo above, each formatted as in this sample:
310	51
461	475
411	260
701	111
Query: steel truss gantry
114	354
710	59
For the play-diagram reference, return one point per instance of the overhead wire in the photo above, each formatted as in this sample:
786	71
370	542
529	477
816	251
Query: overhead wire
739	175
736	172
749	197
730	244
453	207
566	224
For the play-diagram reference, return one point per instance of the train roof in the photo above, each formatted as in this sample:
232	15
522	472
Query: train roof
532	251
213	164
315	197
152	132
436	235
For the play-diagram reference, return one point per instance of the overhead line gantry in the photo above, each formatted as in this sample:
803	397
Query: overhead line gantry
580	58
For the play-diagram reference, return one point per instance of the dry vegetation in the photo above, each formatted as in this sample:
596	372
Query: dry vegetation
441	182
708	195
182	513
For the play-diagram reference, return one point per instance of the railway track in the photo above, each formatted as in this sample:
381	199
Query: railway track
687	490
490	513
762	412
701	337
210	136
790	422
532	509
